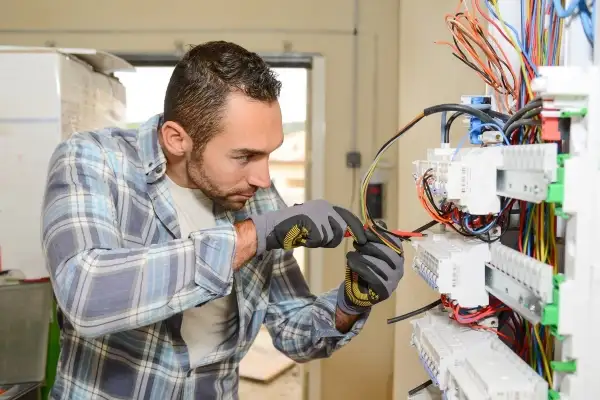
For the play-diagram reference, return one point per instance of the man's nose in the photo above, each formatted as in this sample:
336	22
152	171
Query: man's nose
259	175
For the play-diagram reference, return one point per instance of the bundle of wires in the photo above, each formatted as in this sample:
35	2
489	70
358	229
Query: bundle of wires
541	31
581	9
537	41
448	214
474	227
481	52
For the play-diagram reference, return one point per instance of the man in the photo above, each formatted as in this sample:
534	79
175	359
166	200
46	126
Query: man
168	248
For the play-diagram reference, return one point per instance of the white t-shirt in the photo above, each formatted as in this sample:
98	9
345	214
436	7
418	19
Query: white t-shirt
206	327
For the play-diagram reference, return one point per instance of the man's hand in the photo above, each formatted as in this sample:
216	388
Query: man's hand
313	224
372	274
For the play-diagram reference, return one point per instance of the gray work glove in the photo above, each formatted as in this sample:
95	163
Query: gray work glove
312	224
372	274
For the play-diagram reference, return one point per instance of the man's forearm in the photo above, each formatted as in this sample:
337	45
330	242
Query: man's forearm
344	322
245	243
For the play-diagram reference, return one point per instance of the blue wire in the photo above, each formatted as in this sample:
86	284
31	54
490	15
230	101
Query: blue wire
570	10
486	228
468	134
460	143
519	43
535	6
587	17
529	236
479	231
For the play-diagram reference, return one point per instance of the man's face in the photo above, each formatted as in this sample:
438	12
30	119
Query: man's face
235	163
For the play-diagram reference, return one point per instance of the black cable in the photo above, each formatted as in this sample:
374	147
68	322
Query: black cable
415	312
425	227
449	124
532	113
422	386
352	199
400	133
521	123
459	108
498	115
532	105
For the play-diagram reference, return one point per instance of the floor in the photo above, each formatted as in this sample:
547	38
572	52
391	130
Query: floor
287	386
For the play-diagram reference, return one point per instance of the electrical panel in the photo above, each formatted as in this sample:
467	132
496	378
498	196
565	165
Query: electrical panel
514	264
47	95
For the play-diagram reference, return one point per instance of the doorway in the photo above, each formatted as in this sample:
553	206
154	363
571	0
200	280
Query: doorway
266	374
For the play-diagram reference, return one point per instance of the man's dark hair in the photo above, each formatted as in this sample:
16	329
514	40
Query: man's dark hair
202	80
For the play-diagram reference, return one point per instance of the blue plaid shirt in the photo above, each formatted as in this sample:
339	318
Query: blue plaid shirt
122	276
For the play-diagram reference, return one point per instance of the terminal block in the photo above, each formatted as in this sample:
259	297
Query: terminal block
519	281
474	178
564	91
476	134
494	372
526	171
466	177
454	266
441	342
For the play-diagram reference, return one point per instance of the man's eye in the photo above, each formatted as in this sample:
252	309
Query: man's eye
243	159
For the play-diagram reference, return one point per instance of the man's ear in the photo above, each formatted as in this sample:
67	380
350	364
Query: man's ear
175	139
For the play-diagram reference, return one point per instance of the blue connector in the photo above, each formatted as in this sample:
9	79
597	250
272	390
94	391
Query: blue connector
475	124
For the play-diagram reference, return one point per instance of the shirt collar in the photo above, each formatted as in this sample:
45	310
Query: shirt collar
151	154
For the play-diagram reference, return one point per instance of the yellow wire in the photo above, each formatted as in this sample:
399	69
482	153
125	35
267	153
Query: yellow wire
365	184
543	354
541	234
528	231
516	46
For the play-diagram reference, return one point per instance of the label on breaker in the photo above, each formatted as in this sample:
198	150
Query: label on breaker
465	178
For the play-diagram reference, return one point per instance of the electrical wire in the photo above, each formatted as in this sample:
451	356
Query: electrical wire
537	41
413	313
440	108
422	386
352	200
581	9
481	52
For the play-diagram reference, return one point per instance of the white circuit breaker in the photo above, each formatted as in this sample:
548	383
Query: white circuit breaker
464	176
519	281
494	372
469	364
455	266
440	343
474	178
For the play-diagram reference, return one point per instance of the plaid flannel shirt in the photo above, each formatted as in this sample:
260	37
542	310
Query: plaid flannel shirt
122	276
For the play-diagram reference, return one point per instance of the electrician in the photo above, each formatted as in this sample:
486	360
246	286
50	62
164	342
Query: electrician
168	247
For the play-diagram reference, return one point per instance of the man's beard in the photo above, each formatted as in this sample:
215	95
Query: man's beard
220	197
